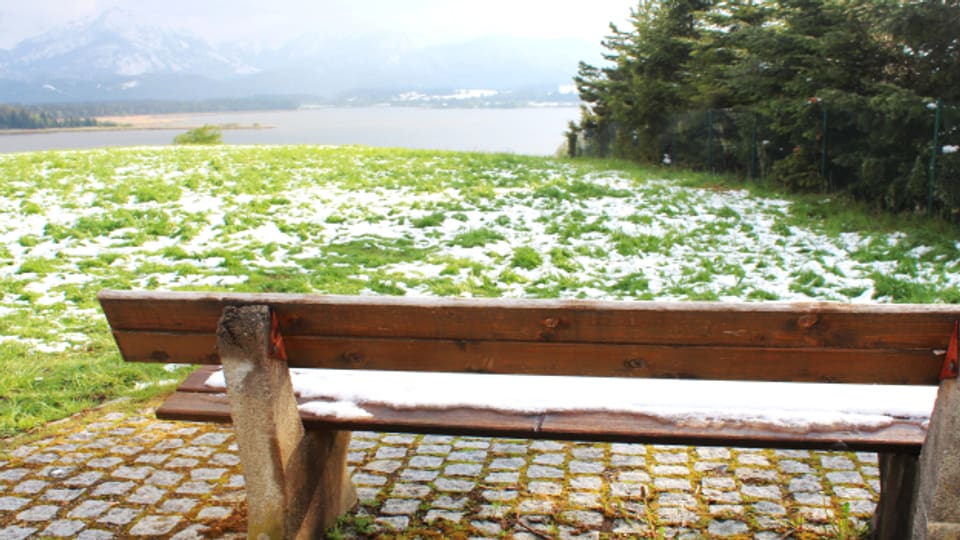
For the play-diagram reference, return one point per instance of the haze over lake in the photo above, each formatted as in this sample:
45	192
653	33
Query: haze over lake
535	131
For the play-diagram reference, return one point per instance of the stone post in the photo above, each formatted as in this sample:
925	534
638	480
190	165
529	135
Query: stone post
296	481
898	478
936	514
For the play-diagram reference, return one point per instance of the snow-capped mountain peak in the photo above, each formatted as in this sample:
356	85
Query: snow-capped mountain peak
116	44
118	56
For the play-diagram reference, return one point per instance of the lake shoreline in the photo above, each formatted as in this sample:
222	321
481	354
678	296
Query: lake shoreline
128	127
531	131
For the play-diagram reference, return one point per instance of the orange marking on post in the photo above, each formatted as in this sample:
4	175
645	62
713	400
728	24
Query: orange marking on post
950	365
277	349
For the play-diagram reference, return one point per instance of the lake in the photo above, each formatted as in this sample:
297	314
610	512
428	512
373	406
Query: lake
535	131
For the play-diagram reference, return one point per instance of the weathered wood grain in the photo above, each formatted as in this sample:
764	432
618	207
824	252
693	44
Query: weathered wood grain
586	426
806	342
769	324
804	364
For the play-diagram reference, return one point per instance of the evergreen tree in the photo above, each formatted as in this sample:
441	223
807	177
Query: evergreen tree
634	98
838	90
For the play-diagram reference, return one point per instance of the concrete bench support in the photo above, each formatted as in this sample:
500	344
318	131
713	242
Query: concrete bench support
936	515
898	478
296	481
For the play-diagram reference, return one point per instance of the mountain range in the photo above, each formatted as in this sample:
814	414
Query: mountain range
115	57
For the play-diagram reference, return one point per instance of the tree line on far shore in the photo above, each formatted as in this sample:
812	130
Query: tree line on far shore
14	117
67	115
853	96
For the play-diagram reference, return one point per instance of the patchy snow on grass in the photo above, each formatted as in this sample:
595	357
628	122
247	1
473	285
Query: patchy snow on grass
362	221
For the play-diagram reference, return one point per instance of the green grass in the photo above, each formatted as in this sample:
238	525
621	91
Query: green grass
476	238
432	220
37	389
526	257
360	220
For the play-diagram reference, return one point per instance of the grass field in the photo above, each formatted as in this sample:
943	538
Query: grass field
373	221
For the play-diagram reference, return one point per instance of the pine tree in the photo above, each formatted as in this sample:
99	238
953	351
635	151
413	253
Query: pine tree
839	88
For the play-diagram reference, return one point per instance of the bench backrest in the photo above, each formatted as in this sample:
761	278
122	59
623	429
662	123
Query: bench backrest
800	342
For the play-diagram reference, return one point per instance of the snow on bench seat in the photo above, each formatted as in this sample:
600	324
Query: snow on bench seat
667	411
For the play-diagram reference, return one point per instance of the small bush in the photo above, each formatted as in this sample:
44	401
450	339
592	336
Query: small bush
526	258
206	134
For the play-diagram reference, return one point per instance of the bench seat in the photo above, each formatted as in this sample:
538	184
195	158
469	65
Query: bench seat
194	401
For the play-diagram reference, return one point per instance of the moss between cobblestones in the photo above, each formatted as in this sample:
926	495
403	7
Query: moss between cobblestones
113	423
76	421
482	516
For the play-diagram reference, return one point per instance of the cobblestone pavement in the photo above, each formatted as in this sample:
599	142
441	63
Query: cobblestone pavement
126	475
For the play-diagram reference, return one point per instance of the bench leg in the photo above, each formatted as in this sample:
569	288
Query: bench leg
898	475
296	481
936	512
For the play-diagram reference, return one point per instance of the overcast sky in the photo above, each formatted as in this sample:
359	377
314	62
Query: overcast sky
270	21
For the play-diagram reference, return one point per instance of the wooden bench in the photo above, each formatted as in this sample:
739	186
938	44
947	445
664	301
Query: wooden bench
294	462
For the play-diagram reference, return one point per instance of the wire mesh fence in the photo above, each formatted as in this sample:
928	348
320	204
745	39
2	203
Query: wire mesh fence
901	155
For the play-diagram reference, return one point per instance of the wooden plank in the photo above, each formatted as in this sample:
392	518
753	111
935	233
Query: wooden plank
580	426
195	407
768	324
719	363
620	426
196	378
168	347
602	360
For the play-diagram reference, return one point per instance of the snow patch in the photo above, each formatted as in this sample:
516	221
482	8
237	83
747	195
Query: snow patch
148	384
457	95
337	409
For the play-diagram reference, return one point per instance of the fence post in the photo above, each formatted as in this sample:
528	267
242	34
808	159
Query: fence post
710	140
753	148
673	136
933	155
823	146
